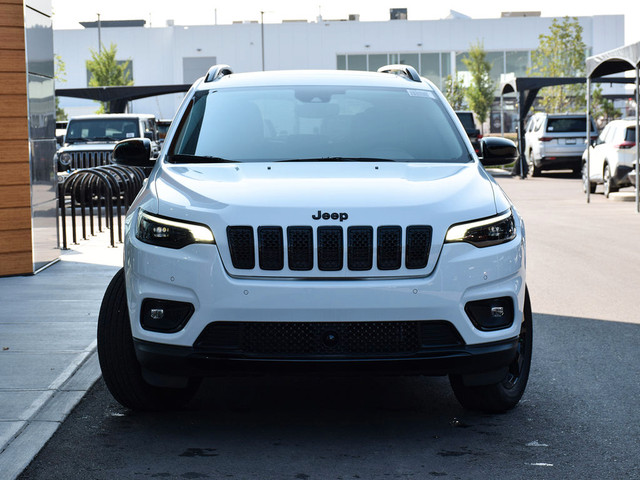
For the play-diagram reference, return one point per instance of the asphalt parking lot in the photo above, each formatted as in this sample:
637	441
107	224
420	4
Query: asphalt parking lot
580	416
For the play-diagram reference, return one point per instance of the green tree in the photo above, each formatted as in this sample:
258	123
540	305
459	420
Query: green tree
454	92
480	94
105	70
60	76
561	53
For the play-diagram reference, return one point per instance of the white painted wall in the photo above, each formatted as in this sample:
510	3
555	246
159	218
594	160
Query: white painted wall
157	52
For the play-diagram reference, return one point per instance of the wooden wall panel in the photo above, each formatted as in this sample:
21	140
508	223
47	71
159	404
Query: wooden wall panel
12	38
14	241
13	106
14	129
11	15
15	196
15	174
16	263
15	218
14	151
13	61
13	83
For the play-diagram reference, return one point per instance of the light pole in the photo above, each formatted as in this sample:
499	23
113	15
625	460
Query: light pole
262	36
99	35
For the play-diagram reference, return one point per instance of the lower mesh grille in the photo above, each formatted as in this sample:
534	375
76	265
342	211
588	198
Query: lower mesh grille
327	338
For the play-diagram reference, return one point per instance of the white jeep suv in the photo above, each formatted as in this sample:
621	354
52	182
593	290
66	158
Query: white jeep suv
318	222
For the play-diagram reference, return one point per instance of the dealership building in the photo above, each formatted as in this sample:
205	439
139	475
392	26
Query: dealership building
177	54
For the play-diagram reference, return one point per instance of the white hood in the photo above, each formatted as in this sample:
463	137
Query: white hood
296	194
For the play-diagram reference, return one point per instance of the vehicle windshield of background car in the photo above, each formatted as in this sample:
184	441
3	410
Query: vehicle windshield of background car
317	123
101	130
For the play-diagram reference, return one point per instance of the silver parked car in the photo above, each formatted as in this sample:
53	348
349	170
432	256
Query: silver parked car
556	141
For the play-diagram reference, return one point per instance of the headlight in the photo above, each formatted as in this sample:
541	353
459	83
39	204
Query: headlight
484	233
165	232
65	159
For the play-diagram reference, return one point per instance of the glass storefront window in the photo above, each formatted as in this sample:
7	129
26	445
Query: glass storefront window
517	63
357	62
409	59
430	67
377	60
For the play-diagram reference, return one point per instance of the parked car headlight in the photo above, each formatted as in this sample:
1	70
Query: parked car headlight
486	232
65	159
165	232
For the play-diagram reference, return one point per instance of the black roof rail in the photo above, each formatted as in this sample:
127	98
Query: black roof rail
406	70
216	72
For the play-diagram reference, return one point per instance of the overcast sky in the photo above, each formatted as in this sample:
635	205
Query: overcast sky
67	13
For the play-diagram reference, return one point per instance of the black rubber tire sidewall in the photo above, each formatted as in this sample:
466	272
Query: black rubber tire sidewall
120	368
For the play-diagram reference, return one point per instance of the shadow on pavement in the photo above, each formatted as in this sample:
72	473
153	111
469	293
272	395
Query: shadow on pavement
578	419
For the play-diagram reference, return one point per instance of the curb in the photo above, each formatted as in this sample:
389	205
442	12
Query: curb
48	412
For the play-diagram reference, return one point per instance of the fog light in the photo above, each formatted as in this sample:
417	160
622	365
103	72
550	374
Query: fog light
491	314
164	316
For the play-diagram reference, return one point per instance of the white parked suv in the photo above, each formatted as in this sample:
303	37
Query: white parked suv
556	141
318	222
613	156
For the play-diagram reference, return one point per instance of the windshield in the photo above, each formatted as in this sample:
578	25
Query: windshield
317	123
101	129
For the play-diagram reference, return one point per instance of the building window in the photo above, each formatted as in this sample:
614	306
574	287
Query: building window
357	62
377	60
341	63
517	63
196	67
430	67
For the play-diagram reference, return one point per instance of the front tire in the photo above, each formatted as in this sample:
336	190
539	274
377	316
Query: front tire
120	368
504	395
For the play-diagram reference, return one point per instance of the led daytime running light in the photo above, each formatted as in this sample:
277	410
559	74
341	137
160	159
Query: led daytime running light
200	233
464	232
169	233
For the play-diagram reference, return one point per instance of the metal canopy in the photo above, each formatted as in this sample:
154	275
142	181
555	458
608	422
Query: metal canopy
119	96
527	89
616	61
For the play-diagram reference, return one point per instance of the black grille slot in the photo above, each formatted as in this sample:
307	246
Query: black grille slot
270	248
418	244
300	248
241	247
330	248
389	248
360	248
327	338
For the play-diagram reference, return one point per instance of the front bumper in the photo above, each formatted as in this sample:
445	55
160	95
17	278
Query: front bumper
195	274
560	163
165	361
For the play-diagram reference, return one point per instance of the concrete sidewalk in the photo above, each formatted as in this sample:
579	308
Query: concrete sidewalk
48	354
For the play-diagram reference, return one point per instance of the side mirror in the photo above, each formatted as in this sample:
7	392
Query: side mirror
497	151
134	152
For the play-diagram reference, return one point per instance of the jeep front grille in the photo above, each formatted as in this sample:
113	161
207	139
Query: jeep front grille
361	244
89	159
326	338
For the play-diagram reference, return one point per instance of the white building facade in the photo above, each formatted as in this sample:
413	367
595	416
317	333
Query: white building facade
180	54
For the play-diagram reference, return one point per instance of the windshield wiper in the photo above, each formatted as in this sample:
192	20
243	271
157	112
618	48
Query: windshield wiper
339	159
76	139
112	139
183	158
